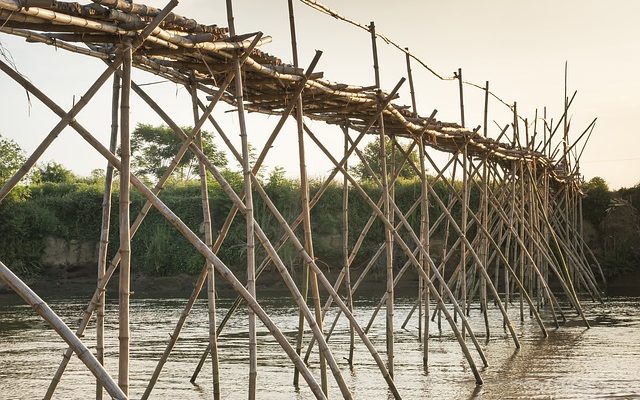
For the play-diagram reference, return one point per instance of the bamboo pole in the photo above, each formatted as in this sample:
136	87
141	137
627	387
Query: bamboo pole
309	276
460	89
53	134
424	229
345	246
208	239
463	227
424	236
248	203
485	216
104	230
521	233
41	307
124	224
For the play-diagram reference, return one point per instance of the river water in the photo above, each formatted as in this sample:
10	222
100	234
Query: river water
572	363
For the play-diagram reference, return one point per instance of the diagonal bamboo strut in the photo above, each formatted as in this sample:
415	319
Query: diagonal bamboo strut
65	120
41	307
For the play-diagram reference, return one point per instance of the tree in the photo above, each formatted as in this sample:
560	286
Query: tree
52	172
371	154
597	199
11	158
153	148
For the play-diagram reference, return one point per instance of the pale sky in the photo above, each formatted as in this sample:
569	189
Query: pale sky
520	47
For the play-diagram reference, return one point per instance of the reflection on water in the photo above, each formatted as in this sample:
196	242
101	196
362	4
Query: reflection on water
601	362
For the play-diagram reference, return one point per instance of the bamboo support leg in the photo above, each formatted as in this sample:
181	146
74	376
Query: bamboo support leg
125	233
208	239
345	247
104	230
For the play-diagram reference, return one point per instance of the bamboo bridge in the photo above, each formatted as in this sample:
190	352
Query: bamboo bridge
523	237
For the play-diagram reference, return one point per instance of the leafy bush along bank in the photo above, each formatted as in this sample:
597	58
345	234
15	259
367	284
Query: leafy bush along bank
70	210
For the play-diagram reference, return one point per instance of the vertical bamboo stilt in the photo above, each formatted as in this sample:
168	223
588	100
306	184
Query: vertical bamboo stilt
104	231
345	245
423	294
465	203
460	89
208	240
424	237
125	238
485	218
248	202
387	210
463	227
306	211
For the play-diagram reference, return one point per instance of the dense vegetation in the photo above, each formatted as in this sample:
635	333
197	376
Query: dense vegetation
54	202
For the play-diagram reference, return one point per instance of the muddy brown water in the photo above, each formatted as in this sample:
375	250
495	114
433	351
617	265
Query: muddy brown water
572	363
